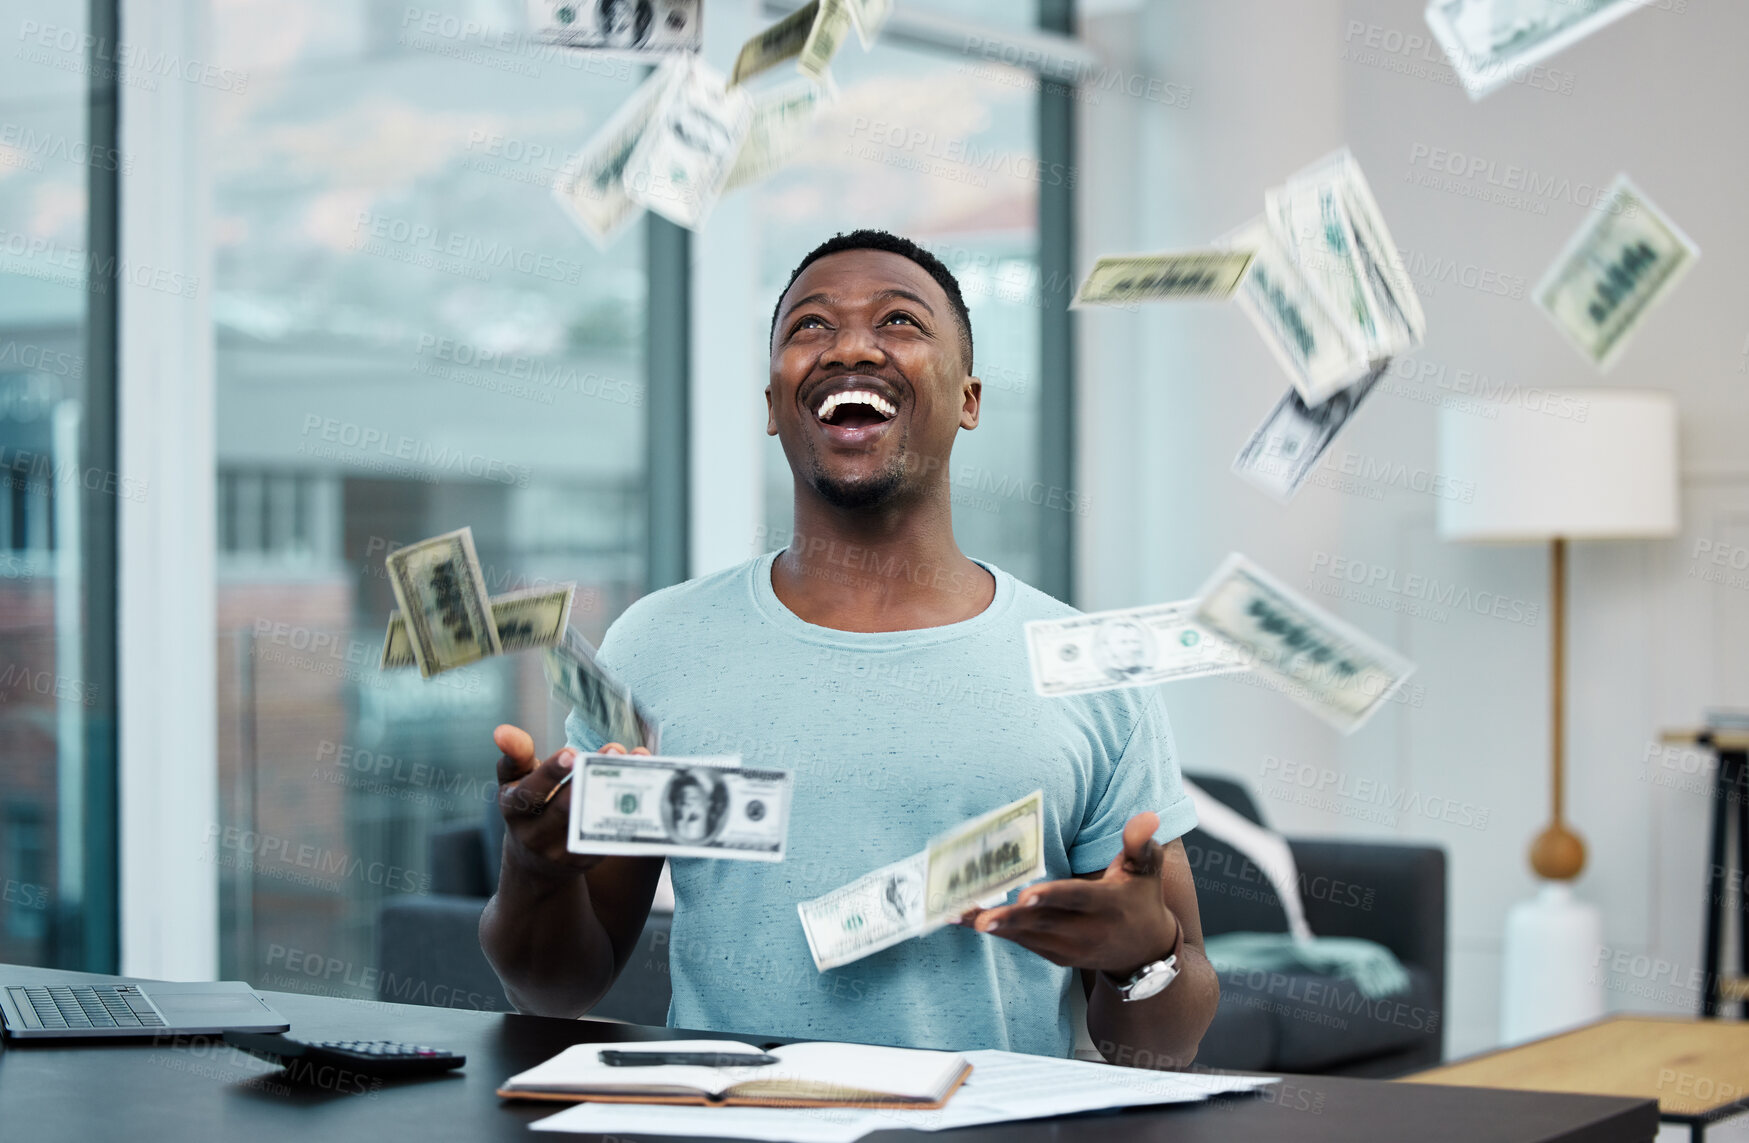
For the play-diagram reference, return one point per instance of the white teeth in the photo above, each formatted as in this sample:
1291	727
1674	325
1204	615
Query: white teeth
857	396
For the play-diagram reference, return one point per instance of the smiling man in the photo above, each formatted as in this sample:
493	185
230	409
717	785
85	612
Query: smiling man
889	670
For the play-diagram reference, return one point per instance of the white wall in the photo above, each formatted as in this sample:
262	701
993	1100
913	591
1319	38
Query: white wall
1169	394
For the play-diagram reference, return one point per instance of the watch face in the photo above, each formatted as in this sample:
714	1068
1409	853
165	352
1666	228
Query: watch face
1154	980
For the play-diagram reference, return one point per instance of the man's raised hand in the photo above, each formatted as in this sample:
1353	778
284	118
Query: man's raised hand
534	815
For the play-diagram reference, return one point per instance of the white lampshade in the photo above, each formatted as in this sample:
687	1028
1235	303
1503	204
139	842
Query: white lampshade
1579	464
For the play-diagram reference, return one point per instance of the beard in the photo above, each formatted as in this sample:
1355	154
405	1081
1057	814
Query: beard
865	492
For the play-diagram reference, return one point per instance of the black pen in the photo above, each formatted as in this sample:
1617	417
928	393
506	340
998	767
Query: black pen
694	1059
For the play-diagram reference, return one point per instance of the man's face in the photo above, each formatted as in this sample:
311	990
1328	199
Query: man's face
868	380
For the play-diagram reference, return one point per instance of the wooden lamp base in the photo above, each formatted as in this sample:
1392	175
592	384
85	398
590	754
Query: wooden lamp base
1557	854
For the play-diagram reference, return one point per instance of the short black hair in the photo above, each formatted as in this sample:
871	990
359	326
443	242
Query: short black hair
891	244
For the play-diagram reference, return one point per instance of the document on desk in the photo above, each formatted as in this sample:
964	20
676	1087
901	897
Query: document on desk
1003	1087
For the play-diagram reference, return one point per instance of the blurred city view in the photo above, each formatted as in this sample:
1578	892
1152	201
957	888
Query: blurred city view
410	337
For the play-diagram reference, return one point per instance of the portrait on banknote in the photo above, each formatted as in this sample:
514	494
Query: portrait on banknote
903	895
1123	648
694	806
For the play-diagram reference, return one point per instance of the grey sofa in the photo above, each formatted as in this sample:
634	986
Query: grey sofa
1392	894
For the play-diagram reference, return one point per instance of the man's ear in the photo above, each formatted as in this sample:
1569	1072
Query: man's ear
770	414
974	399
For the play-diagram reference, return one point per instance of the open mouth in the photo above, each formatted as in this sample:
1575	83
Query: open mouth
854	409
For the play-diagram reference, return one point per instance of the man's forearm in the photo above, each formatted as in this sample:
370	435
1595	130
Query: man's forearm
541	935
1162	1031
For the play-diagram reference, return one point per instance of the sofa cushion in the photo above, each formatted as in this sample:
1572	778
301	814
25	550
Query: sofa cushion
1320	1021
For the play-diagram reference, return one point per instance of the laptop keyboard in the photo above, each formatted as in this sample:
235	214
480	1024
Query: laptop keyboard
89	1006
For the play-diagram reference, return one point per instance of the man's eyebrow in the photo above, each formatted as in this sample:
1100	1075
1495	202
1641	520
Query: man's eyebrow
881	296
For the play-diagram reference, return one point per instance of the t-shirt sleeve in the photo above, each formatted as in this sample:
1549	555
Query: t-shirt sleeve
1144	777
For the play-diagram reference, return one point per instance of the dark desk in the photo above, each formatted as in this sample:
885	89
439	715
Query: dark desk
206	1091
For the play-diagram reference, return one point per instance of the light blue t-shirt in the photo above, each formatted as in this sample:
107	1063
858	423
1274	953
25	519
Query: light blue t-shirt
893	737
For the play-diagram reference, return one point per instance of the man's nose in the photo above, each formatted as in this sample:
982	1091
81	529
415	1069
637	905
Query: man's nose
855	344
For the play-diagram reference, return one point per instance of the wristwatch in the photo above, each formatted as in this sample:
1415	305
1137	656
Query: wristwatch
1152	978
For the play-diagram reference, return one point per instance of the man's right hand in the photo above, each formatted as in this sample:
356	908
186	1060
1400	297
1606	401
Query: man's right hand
536	826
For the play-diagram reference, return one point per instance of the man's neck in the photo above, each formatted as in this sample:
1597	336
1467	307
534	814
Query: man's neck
887	568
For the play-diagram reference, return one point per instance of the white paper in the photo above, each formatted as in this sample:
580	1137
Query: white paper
1003	1087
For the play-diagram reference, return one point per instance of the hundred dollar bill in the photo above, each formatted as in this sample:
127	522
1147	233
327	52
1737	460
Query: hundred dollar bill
1134	647
679	166
603	703
591	186
1327	666
649	806
1614	270
635	27
989	855
775	43
527	619
781	120
825	38
1192	274
442	592
1286	447
874	912
1493	42
1312	345
1329	223
870	16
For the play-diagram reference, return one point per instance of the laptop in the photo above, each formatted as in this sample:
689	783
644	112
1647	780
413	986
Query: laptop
147	1009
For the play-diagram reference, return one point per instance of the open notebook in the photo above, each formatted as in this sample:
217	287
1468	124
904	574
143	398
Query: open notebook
807	1075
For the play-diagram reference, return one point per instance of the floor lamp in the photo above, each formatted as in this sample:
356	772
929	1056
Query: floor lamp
1574	464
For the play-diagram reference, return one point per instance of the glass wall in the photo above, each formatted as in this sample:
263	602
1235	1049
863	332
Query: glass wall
57	495
942	148
411	337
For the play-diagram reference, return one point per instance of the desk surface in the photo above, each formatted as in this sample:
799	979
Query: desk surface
206	1091
1693	1068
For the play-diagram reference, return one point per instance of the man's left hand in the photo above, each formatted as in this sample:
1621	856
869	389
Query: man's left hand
1116	922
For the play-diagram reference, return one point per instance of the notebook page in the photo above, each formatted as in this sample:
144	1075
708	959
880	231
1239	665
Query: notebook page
579	1068
908	1073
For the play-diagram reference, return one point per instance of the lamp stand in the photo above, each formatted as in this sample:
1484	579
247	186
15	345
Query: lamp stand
1548	977
1558	853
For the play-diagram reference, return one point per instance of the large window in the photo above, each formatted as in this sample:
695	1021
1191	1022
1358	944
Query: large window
942	144
411	337
58	487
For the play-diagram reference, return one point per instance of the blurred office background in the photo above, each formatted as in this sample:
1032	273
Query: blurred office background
287	288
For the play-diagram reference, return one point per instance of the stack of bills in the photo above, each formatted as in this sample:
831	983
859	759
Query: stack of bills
603	703
445	619
1244	620
975	863
1320	277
